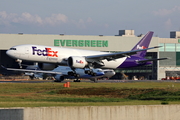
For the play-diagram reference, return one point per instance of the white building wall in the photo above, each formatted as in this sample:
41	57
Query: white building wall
115	43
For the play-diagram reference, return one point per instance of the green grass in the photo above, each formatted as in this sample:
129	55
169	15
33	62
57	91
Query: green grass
88	94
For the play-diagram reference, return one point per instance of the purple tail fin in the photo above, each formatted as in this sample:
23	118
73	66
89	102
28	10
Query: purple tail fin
143	44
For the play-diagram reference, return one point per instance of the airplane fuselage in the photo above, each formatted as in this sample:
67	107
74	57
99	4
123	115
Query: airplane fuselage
59	55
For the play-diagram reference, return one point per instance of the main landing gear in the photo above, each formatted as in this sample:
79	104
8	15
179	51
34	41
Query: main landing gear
73	73
90	72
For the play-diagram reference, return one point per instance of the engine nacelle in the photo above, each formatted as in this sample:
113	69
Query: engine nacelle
59	78
77	62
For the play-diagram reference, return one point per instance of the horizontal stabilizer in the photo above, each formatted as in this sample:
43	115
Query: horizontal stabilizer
142	61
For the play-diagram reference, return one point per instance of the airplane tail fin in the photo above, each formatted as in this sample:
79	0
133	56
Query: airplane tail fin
143	44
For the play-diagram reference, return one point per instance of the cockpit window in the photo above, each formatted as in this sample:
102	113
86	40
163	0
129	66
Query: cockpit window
12	49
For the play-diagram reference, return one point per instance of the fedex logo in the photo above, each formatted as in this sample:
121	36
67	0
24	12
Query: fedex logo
45	52
141	47
79	61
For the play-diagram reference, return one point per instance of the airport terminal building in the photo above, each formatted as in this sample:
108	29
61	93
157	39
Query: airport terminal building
124	41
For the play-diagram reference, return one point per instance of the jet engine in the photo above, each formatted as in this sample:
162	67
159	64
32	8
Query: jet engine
77	62
59	78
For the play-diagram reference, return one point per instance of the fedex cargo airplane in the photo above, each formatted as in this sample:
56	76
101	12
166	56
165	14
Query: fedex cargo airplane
84	59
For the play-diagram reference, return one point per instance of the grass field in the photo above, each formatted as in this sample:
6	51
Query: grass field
88	94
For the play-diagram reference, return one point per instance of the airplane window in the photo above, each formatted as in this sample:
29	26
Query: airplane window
12	48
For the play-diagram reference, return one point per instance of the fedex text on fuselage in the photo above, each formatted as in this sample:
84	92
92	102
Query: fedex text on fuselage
46	52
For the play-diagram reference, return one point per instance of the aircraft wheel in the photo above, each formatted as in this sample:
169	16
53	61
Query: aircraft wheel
77	81
90	73
32	77
76	75
70	73
93	74
87	72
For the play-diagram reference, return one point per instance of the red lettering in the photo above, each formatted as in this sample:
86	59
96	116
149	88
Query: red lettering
143	47
55	53
49	52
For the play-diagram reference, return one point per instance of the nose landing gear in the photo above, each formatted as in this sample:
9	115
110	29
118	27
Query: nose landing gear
19	62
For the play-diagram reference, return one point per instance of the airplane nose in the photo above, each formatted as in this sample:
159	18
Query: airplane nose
9	53
114	73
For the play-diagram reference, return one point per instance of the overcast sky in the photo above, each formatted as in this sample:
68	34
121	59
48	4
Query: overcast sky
89	17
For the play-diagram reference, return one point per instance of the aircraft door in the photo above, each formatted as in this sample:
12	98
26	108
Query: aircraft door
26	52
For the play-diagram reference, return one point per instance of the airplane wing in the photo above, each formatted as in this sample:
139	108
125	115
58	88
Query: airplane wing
113	56
34	71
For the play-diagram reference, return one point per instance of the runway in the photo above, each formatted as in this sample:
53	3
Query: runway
99	81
